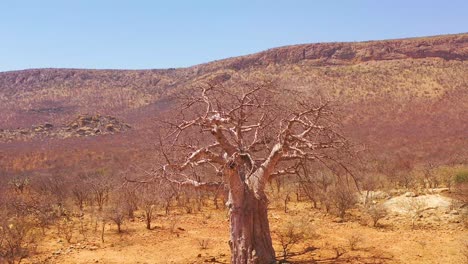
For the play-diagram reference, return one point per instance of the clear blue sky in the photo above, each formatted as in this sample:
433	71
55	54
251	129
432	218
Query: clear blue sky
162	34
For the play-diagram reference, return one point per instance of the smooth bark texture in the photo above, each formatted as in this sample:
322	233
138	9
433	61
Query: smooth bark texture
256	138
250	239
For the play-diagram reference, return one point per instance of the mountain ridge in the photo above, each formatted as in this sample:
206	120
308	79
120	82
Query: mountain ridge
409	90
458	37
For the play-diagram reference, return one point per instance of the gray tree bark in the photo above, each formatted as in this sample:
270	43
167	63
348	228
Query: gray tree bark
250	239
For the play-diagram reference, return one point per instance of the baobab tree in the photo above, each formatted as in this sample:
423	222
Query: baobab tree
247	135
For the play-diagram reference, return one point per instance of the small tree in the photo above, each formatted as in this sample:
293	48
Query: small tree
149	198
80	193
65	228
129	197
342	199
100	187
315	185
117	214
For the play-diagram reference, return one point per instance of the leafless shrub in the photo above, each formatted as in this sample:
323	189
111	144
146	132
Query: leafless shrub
65	228
280	197
342	199
117	214
414	207
315	186
220	192
203	243
173	222
286	197
293	233
376	212
80	193
167	192
100	186
17	239
84	227
354	241
130	200
149	198
20	183
460	190
44	213
54	187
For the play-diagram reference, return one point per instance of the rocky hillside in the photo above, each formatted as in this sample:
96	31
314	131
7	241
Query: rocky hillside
399	96
82	126
407	67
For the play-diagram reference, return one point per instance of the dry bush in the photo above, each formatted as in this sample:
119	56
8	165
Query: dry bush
280	197
83	227
17	239
167	194
376	212
189	200
46	212
293	233
103	228
20	183
460	191
80	193
117	214
100	186
203	243
41	209
342	198
149	198
354	241
414	207
315	186
173	222
65	228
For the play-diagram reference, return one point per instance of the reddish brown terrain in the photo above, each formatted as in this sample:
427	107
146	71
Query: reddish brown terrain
404	102
419	84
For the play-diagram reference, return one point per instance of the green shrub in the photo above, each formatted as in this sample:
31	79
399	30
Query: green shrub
461	177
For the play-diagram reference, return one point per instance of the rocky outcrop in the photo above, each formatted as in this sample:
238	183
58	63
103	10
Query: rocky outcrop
82	126
86	125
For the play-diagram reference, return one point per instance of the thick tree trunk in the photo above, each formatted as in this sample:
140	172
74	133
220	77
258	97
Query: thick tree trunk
250	232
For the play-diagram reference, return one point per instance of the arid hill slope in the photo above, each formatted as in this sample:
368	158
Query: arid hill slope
405	95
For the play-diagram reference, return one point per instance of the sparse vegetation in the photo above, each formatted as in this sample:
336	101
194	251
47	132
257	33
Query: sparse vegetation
65	228
414	208
342	199
87	175
18	239
376	212
203	243
355	241
292	233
